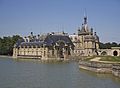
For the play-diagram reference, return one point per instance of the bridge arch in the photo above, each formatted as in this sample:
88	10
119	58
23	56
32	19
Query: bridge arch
104	53
115	53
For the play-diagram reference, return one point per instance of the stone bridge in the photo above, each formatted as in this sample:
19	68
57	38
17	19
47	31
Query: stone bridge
114	51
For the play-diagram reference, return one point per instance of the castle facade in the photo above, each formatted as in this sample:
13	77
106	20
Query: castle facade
86	41
60	45
44	47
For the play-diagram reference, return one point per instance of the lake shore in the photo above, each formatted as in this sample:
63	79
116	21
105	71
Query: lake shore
98	66
6	56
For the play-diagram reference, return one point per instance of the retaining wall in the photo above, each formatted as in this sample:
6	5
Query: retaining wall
101	67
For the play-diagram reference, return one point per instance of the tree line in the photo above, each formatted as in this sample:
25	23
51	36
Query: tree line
108	45
7	44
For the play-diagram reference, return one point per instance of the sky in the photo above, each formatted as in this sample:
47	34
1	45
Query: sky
42	16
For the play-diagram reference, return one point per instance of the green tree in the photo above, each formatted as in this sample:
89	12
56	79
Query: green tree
7	43
108	45
102	46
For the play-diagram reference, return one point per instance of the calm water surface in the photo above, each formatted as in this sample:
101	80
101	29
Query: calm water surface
33	74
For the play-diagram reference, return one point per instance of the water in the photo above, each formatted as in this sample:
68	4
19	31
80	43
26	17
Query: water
34	74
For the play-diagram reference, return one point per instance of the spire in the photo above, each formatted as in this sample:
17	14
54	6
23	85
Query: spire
85	17
85	20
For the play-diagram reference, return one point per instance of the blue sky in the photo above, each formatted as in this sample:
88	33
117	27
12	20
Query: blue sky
42	16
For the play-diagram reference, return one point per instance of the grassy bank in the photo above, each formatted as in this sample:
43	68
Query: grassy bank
103	58
110	58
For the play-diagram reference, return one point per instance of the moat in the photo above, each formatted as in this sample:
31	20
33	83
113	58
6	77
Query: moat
34	74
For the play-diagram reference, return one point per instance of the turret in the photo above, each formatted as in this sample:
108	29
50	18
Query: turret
91	30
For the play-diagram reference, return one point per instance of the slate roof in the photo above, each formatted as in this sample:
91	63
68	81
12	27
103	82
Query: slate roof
50	40
96	37
19	42
34	44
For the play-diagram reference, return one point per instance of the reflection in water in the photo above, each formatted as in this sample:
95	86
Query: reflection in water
101	76
34	74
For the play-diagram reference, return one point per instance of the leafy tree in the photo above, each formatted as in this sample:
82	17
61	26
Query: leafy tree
7	43
101	45
108	45
119	45
114	44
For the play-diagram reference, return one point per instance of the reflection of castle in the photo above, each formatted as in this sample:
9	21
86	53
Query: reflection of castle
86	42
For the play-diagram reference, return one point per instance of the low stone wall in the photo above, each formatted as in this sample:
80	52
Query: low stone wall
116	70
100	67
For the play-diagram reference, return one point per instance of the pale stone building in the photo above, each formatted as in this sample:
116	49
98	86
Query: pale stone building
61	45
86	42
50	46
114	51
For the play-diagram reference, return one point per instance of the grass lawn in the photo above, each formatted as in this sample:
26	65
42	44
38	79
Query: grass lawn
110	58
